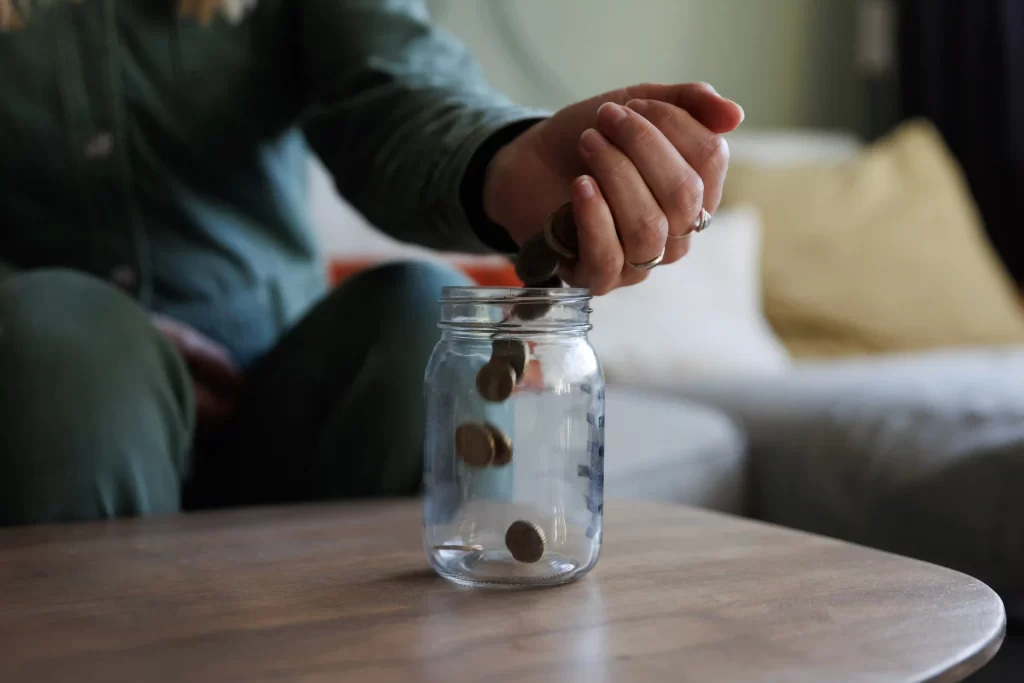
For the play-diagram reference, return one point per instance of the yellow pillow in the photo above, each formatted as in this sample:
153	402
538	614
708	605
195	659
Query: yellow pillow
885	253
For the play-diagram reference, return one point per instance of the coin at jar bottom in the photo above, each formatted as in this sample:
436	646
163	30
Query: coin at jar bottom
502	447
525	540
535	261
474	443
515	352
496	380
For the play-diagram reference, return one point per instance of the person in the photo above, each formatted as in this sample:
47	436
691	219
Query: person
167	340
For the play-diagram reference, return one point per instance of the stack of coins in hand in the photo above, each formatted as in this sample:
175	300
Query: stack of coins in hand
539	258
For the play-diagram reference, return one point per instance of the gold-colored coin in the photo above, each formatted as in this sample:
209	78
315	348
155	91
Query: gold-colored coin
515	352
496	380
502	447
474	444
536	261
560	232
460	548
525	540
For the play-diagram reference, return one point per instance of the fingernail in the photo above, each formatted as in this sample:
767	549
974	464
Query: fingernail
637	105
591	141
610	112
585	187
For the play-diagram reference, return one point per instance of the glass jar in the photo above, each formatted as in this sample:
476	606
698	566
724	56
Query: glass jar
514	438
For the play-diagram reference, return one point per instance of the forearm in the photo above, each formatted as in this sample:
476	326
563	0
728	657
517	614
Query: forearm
400	112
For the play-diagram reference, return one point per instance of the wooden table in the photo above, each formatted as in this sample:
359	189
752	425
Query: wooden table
343	593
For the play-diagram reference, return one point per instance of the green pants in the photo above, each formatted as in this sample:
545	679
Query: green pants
97	412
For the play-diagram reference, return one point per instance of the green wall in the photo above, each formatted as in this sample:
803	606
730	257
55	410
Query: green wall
790	63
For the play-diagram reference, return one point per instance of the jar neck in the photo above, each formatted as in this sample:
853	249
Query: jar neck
480	312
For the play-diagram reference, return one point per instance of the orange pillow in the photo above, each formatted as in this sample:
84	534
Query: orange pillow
489	274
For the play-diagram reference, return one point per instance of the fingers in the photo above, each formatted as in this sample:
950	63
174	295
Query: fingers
718	114
706	152
600	259
642	225
678	188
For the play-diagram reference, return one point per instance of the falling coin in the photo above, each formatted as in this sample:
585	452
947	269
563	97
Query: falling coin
525	540
560	232
502	447
496	380
536	261
532	310
515	352
474	443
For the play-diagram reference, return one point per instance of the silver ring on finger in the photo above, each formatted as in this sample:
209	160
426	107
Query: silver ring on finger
703	221
648	265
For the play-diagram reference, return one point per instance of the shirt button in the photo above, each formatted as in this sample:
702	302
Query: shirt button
99	146
124	277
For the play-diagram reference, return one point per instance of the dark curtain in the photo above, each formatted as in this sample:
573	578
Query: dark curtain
962	67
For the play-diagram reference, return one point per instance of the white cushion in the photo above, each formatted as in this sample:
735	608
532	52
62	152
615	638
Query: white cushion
699	317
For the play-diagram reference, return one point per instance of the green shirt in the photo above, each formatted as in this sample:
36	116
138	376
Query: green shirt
171	157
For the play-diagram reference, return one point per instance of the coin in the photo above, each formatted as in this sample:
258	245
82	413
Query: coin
536	262
525	540
560	232
531	310
502	447
515	352
460	548
496	380
474	444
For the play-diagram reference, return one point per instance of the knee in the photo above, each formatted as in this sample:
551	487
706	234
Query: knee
402	299
94	405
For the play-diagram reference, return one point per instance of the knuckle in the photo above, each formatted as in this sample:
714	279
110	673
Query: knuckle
619	167
652	228
608	264
641	132
688	194
714	154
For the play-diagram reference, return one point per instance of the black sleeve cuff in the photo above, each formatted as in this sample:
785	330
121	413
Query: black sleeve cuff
471	193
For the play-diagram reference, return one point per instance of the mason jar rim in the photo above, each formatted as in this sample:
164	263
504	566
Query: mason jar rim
462	294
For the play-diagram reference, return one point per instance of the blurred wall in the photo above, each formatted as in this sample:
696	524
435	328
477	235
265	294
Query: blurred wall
790	63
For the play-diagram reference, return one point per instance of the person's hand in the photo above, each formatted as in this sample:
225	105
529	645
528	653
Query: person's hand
636	175
214	375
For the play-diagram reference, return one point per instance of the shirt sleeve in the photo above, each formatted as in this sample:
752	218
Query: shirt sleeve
399	113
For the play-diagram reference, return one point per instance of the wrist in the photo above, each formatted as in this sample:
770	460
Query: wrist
481	196
496	188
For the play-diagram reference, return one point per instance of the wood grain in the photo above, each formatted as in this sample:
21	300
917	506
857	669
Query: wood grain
343	592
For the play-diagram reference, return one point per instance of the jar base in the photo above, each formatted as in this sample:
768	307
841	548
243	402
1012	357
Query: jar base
497	569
